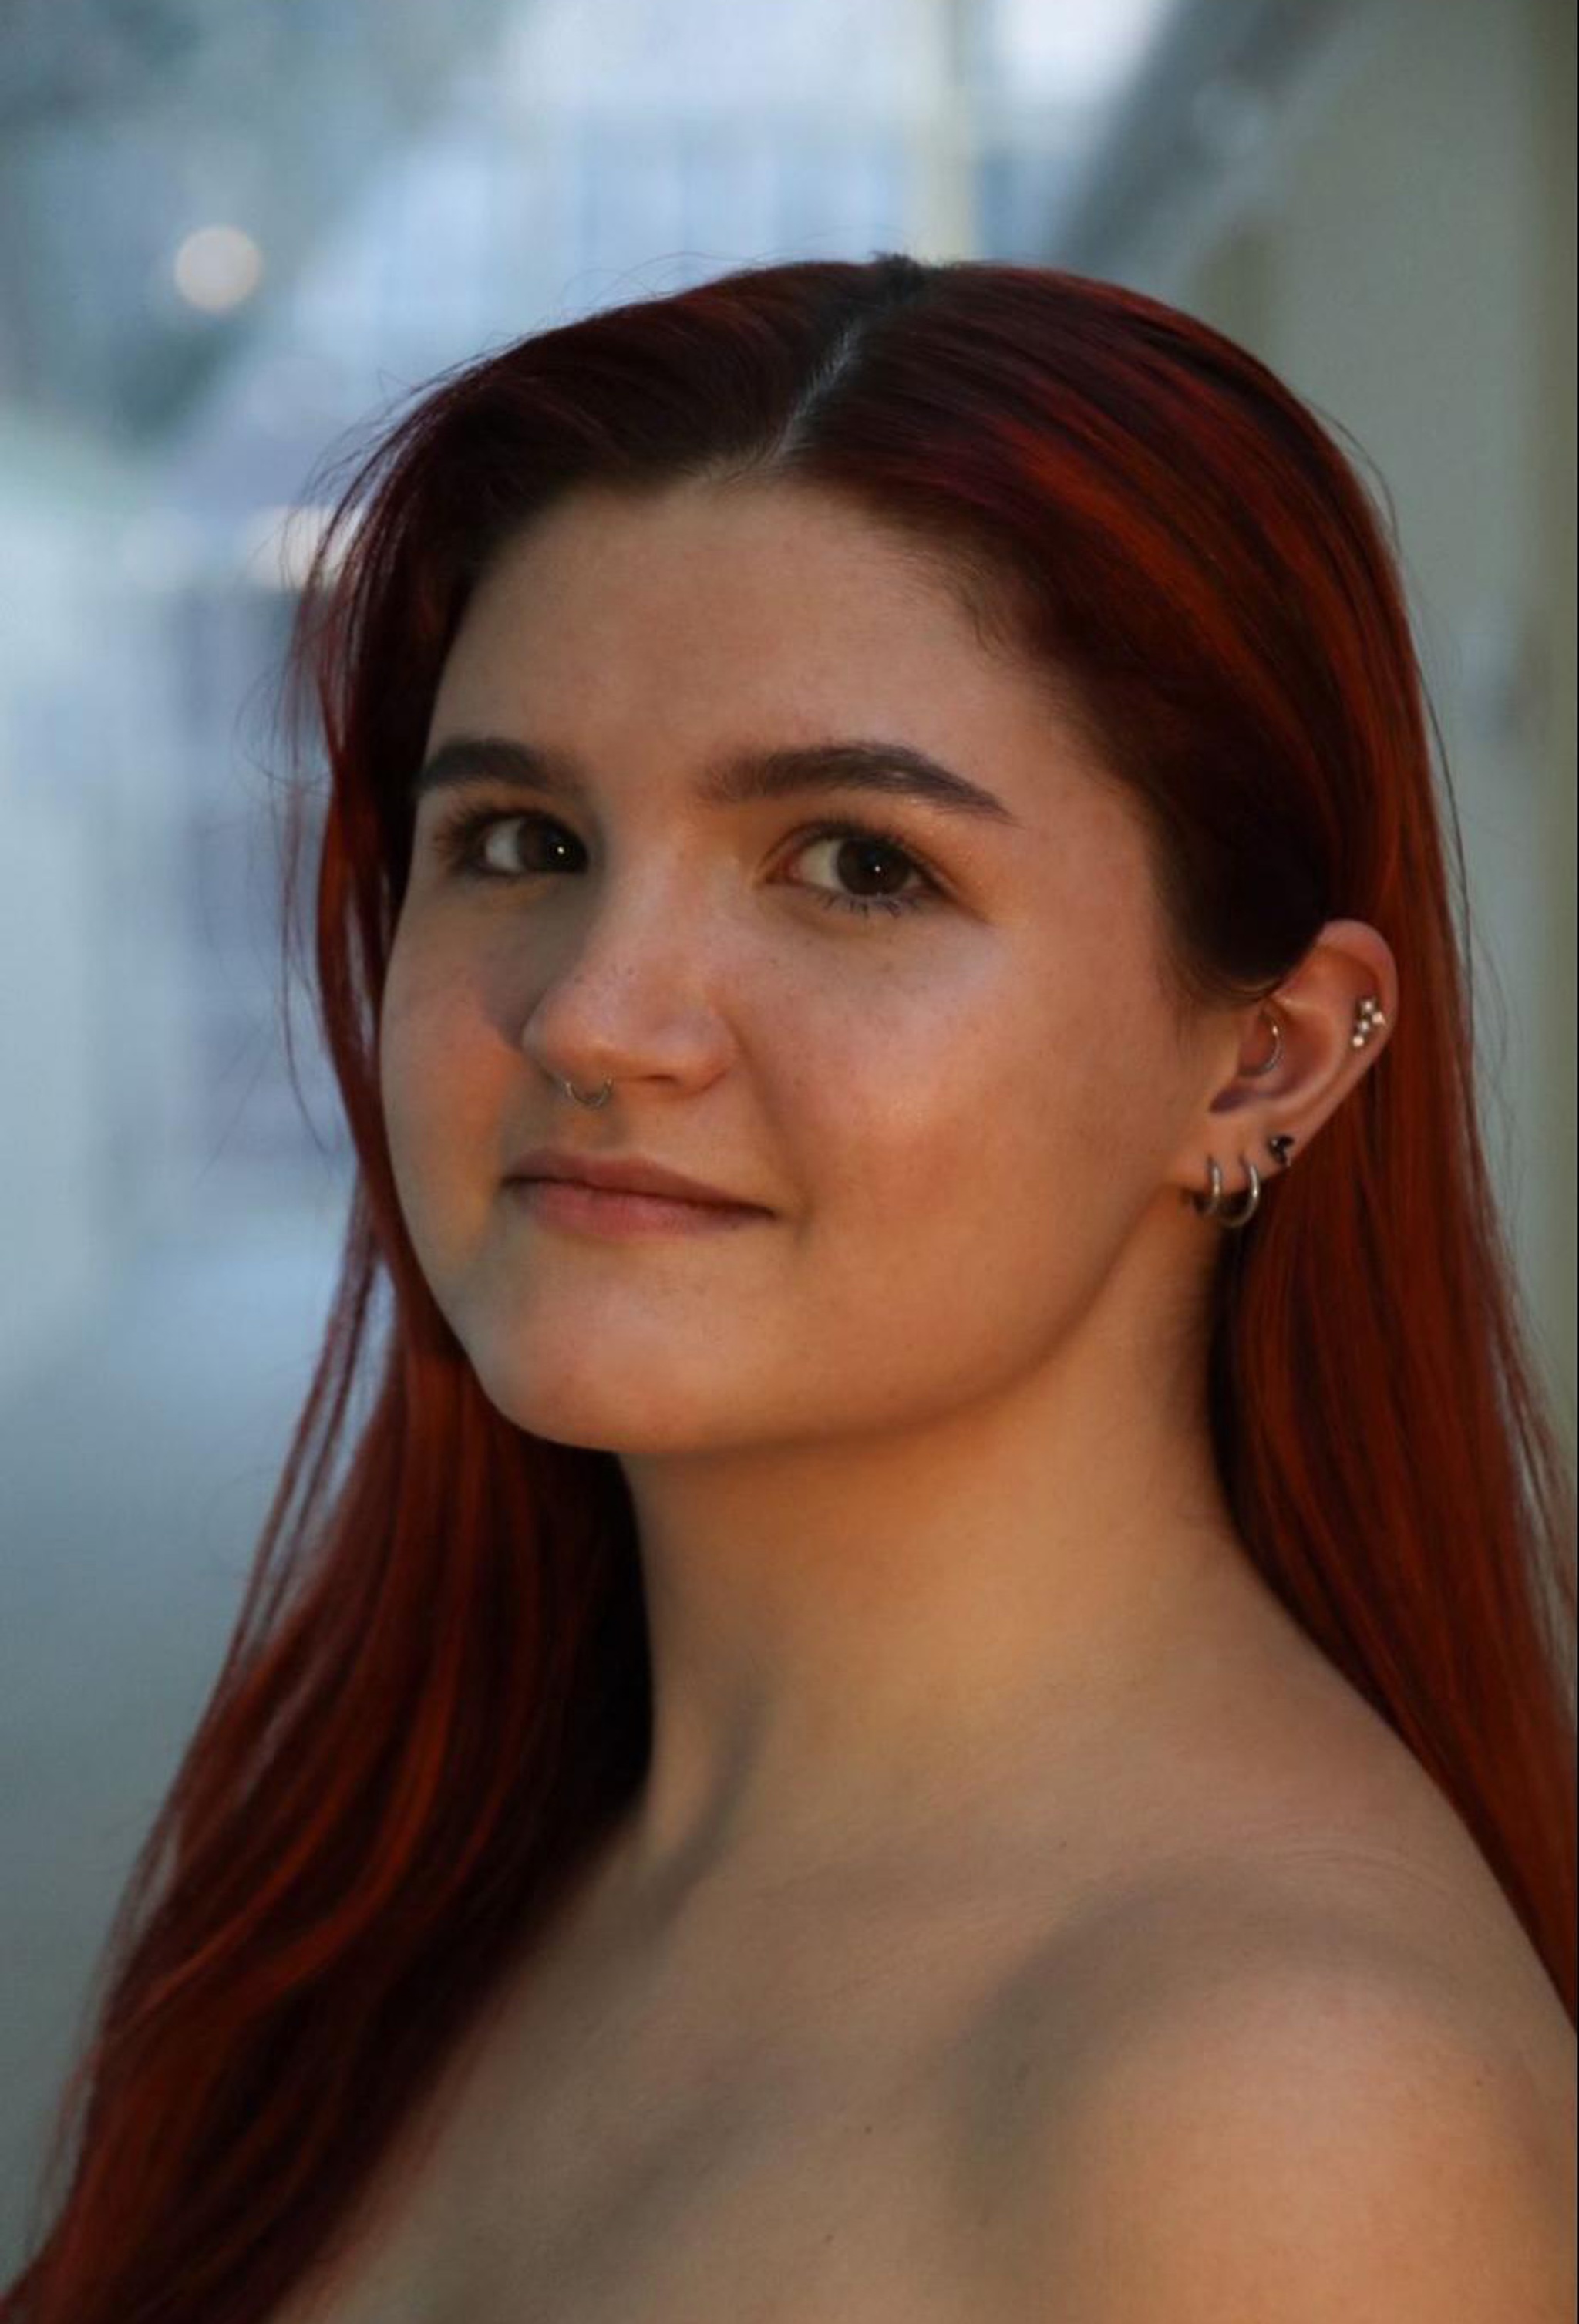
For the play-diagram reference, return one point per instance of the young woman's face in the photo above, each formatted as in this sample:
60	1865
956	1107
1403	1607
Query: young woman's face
958	1116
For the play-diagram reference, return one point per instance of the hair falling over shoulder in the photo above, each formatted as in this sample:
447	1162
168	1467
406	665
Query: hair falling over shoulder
436	1696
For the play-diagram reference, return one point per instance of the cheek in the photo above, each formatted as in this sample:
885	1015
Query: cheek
437	1063
958	1094
989	1155
958	1166
406	1058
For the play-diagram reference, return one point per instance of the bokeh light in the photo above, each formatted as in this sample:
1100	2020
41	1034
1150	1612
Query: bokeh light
217	267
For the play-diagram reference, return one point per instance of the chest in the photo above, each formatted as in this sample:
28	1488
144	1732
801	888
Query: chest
863	2199
865	2124
610	2154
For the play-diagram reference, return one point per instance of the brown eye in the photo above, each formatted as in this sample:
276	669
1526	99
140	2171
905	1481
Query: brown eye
460	840
864	845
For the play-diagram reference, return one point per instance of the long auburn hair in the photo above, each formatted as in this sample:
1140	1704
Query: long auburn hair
437	1697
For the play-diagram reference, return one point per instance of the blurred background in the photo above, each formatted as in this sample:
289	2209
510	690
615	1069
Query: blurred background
233	233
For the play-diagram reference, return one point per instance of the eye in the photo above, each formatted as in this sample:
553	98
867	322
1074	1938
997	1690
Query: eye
866	844
456	840
459	840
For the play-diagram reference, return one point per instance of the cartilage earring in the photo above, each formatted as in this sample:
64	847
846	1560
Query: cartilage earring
1368	1016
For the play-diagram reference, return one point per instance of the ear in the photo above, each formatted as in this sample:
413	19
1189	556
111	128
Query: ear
1317	1012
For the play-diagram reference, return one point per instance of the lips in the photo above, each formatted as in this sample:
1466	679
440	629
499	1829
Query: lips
629	1175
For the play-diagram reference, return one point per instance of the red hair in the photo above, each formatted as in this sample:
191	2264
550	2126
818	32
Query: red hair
437	1698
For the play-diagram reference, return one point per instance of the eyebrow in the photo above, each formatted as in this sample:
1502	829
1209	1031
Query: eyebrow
896	769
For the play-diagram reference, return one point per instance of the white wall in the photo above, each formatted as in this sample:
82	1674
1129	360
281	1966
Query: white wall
94	1084
1401	252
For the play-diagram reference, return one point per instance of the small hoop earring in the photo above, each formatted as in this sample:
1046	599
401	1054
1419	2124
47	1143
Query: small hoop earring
1210	1205
1277	1048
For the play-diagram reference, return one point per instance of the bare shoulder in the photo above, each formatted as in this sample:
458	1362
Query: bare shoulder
1329	2136
1311	2098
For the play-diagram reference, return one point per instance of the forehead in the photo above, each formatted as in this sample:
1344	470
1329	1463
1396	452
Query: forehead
697	650
760	603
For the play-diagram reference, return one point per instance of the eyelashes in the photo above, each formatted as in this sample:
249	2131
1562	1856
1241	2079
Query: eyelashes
458	840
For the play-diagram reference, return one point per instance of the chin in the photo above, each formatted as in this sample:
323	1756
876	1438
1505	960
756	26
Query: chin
607	1413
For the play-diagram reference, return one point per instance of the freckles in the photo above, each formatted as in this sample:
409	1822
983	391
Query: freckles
411	1043
435	1011
946	1074
406	988
432	1053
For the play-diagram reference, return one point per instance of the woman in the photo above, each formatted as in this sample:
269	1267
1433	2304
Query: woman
976	1725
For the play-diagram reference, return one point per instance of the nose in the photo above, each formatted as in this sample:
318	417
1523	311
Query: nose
631	997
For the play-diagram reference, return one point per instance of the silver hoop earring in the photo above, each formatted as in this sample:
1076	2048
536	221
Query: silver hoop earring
1210	1205
1277	1048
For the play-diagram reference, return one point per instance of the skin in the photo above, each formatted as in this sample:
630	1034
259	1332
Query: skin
928	1521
